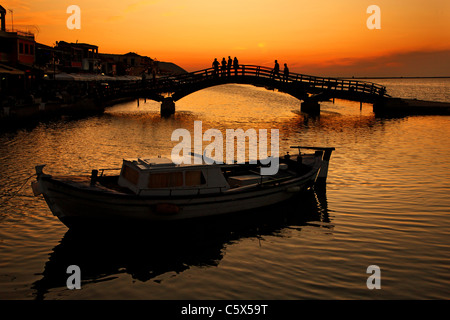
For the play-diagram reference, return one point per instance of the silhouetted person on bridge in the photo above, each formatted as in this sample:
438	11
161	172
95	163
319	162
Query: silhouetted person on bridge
215	65
224	67
235	66
286	73
229	64
276	70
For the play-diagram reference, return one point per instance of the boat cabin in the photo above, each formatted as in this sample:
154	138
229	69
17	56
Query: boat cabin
160	176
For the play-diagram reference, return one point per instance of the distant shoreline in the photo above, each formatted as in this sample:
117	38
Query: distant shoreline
446	77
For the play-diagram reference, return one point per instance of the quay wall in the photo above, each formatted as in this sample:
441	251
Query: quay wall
54	99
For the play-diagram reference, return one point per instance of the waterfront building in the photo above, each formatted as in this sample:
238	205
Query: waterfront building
17	57
130	63
78	57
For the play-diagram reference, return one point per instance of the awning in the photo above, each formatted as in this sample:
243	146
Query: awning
64	76
92	77
9	70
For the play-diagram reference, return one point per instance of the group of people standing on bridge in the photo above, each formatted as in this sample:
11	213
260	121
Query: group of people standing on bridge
224	68
276	71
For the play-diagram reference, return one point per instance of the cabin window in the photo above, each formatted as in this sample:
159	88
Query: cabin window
130	174
20	47
194	178
165	180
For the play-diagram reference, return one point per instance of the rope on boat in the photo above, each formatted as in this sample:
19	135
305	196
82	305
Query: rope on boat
17	191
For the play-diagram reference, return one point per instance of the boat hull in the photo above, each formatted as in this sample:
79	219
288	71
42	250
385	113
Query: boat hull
70	204
84	200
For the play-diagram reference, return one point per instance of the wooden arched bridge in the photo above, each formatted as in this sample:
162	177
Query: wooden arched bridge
310	89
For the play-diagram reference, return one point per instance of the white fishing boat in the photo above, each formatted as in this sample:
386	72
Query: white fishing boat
156	189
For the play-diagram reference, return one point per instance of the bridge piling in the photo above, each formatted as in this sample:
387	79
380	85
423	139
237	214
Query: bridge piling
310	107
167	107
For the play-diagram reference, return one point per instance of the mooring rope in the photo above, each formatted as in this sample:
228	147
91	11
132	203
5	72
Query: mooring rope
17	191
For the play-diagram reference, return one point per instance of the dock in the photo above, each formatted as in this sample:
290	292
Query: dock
404	107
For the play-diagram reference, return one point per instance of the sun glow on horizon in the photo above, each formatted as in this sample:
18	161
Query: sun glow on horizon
192	33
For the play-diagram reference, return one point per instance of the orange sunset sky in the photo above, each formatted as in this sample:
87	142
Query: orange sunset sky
326	37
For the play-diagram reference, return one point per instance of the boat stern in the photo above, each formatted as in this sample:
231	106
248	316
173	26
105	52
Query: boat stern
325	154
323	174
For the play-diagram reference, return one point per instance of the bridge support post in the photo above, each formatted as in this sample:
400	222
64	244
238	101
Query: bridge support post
311	107
167	107
379	106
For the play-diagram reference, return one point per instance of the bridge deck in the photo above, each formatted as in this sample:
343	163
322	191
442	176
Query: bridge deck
299	85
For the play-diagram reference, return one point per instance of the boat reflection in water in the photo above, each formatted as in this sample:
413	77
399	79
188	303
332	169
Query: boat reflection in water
147	253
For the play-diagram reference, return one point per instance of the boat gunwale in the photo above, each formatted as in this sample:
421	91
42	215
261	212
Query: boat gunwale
232	192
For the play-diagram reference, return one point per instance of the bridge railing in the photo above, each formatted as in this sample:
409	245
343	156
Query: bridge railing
335	84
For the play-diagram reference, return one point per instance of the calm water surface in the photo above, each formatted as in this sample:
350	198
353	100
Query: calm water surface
386	203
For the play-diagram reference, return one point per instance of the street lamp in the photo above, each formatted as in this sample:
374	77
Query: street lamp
12	19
